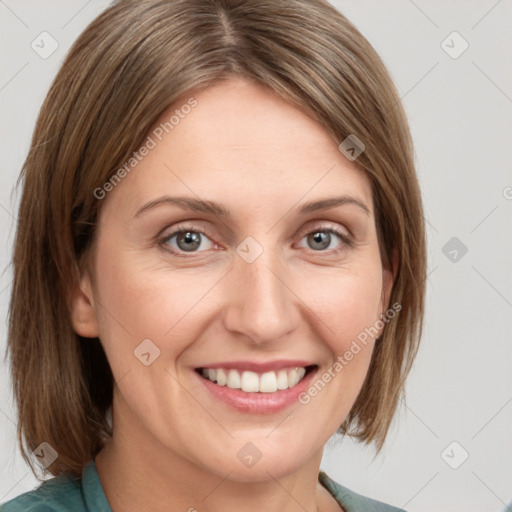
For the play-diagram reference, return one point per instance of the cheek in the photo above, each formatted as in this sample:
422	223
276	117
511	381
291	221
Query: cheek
346	302
139	299
140	304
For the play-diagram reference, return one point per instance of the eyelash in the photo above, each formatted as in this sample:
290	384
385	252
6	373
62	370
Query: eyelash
345	239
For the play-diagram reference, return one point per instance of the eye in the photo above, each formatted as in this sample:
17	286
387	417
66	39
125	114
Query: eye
324	239
192	240
186	240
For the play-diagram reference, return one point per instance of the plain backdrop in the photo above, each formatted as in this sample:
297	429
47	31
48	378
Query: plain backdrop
450	448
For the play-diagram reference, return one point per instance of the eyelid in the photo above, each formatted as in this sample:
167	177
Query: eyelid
181	229
323	226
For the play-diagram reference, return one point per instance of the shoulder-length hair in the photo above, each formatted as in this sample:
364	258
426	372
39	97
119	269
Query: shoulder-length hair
131	63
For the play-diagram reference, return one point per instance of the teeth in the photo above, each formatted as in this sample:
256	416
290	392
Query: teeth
234	381
282	379
268	382
222	378
252	382
295	376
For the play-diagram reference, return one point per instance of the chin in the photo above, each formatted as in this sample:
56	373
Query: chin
262	460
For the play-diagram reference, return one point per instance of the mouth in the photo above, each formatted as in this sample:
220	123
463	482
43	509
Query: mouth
248	381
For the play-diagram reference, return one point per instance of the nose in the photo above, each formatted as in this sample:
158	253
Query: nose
261	304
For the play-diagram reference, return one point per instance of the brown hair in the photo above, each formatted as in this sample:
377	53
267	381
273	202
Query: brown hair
124	70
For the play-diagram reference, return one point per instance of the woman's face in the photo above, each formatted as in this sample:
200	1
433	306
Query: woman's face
266	285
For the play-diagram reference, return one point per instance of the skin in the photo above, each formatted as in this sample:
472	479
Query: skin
175	445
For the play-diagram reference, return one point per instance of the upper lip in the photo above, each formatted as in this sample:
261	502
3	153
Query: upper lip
259	367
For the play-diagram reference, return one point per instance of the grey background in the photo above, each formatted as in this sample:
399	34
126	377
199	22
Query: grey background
460	111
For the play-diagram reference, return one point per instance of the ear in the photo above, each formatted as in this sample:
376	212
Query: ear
388	279
83	314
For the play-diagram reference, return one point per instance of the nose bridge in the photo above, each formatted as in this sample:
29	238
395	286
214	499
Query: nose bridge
261	306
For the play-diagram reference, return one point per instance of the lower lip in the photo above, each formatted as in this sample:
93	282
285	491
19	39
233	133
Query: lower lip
258	403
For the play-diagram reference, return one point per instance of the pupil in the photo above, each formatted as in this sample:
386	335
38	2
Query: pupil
189	237
321	238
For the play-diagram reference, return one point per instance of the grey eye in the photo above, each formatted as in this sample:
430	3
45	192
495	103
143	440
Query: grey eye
187	240
319	240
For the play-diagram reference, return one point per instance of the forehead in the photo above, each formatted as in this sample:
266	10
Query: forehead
242	145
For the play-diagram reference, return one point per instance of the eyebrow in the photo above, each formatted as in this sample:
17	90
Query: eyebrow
214	208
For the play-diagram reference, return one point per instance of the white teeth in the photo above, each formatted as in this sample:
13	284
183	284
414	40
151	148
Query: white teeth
268	382
222	378
293	377
282	380
252	382
234	381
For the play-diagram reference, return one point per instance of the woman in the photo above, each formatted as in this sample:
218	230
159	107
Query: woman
219	262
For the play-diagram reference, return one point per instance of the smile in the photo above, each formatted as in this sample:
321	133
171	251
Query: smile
256	387
253	382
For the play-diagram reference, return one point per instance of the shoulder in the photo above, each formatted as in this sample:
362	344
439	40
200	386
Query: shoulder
59	494
352	501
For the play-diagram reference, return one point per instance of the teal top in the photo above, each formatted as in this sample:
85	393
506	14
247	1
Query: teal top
65	493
